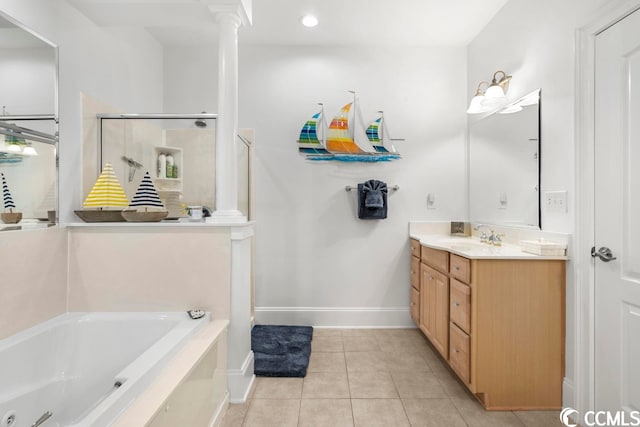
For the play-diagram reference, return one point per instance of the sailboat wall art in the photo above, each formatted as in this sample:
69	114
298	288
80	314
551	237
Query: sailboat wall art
105	200
9	217
146	203
346	140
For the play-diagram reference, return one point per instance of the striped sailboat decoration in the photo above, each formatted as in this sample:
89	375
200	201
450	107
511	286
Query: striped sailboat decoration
105	200
309	141
6	195
146	197
348	142
10	217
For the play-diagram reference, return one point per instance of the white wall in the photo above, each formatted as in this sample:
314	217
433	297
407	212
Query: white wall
311	250
534	41
121	67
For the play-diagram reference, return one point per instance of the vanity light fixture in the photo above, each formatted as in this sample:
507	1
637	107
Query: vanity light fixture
309	21
495	94
29	151
475	106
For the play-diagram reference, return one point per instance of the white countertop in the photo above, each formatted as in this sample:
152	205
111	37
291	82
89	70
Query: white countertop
469	247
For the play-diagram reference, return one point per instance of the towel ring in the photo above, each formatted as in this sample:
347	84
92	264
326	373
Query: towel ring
351	187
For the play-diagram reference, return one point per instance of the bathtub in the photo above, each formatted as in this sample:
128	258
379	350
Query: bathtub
86	368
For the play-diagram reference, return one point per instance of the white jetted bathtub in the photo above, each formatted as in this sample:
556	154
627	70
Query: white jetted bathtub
85	368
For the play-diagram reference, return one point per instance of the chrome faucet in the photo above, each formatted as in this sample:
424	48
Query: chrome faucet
483	236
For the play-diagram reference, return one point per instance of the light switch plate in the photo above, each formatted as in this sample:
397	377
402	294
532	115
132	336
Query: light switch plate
556	201
431	201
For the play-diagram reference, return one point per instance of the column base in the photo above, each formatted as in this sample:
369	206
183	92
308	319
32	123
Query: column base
226	217
240	380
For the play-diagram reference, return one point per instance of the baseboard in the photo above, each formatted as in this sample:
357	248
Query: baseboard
241	380
568	394
216	421
339	317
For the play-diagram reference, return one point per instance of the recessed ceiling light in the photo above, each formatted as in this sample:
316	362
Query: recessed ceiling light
309	21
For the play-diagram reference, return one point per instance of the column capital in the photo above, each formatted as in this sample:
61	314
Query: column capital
240	8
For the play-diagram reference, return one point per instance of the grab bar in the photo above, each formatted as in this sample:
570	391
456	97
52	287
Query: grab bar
42	419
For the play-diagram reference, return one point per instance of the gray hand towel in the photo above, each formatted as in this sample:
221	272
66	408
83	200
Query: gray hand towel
372	200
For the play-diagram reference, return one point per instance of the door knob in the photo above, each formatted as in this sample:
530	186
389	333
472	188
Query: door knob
603	253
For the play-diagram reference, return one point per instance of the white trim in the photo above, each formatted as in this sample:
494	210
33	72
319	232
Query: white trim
370	317
583	398
216	420
242	232
241	380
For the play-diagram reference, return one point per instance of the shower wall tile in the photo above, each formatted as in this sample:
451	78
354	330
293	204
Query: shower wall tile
149	269
33	278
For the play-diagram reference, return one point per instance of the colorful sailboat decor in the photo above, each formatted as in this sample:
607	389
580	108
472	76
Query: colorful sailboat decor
146	198
105	200
346	141
10	217
309	141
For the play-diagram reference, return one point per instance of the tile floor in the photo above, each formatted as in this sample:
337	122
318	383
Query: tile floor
369	378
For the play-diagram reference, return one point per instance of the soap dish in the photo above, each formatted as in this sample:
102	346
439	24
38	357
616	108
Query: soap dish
543	247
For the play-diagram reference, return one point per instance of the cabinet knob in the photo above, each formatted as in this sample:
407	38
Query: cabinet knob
457	304
456	351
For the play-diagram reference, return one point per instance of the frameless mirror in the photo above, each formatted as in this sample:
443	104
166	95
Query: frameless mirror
28	127
504	165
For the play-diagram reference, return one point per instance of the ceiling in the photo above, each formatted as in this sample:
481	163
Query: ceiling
275	22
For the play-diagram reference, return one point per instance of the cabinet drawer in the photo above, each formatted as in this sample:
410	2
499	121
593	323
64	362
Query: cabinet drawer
460	305
459	352
435	258
461	268
415	306
415	248
415	272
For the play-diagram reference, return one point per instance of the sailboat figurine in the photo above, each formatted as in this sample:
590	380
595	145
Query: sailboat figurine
10	217
105	200
146	197
347	141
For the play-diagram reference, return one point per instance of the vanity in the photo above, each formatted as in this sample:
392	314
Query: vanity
496	316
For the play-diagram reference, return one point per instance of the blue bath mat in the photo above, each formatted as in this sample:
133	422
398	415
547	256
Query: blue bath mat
281	351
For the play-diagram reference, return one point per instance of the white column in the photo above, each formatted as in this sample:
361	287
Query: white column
227	123
240	357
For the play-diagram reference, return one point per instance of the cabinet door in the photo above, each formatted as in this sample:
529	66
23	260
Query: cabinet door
415	306
434	308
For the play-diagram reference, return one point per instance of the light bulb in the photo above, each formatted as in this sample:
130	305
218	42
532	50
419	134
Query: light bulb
309	21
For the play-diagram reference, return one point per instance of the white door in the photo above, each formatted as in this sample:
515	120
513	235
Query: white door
617	216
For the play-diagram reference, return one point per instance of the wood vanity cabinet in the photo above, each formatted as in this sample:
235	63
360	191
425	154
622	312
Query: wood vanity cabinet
499	324
415	281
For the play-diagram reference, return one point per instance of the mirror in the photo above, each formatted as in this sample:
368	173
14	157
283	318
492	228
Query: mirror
504	165
28	128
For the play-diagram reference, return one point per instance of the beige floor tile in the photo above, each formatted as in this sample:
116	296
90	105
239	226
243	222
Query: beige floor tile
273	413
368	385
432	413
475	415
278	388
540	418
326	332
327	362
379	413
360	343
440	370
402	361
235	415
325	413
365	361
359	332
331	344
418	385
455	389
325	385
395	344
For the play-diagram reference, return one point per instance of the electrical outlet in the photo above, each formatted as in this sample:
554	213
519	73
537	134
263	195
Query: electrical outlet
556	201
431	201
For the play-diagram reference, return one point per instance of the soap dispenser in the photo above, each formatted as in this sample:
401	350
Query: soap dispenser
162	165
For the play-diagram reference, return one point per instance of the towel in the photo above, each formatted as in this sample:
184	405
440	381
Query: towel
372	200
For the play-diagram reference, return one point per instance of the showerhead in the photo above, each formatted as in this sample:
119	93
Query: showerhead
201	123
